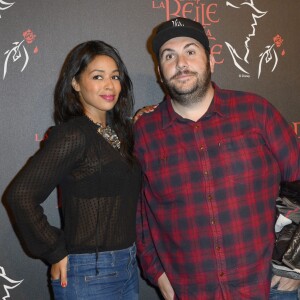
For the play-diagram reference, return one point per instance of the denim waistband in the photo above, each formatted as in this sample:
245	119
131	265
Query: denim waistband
103	257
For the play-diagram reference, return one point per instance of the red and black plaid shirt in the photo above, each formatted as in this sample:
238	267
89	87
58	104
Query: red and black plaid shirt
206	215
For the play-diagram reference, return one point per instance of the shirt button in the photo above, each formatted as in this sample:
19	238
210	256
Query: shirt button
196	126
201	148
205	172
222	274
213	221
209	197
218	248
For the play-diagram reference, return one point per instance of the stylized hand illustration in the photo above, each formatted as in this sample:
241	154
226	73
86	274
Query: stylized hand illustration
270	54
16	52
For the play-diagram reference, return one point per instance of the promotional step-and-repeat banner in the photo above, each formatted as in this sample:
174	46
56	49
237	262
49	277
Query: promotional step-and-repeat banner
255	44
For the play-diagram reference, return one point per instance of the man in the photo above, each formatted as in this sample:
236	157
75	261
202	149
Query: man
213	160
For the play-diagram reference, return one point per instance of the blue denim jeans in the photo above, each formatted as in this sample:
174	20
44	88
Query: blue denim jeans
117	276
276	294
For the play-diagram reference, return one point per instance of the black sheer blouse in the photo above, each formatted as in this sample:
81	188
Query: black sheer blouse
99	194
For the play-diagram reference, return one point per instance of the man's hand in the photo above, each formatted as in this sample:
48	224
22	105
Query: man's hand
59	271
285	284
165	287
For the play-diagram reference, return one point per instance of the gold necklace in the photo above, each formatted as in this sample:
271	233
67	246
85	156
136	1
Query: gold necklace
108	134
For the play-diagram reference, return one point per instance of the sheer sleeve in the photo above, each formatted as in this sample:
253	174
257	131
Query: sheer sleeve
34	183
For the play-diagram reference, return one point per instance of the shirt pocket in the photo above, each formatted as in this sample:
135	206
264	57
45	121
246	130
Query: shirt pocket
166	173
246	156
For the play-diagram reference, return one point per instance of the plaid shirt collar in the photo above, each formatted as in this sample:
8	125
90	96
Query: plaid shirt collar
217	106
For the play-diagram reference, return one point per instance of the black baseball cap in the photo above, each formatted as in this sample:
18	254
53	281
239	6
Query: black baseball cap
178	27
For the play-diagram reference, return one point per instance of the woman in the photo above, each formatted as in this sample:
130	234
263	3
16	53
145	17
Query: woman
89	155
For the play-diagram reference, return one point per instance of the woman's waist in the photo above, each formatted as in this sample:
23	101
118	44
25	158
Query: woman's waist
110	257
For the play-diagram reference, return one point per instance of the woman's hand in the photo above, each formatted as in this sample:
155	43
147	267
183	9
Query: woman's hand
59	271
140	112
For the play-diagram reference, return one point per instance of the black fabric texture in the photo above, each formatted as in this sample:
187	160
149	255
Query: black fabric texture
99	192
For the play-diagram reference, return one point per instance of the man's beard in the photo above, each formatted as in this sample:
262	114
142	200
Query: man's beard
193	94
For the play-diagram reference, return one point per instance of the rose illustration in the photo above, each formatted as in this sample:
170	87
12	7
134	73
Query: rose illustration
277	40
29	36
19	51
